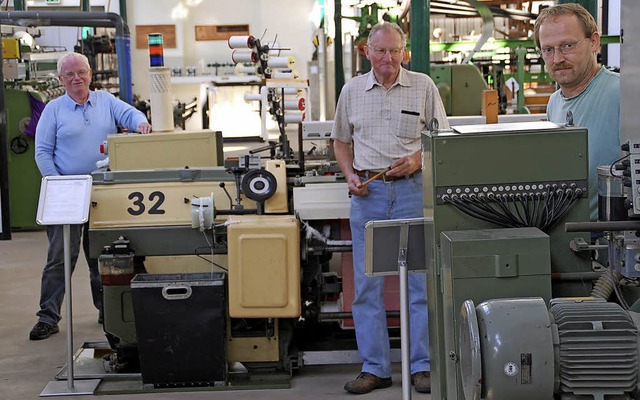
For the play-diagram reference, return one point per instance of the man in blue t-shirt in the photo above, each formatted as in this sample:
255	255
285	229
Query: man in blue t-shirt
68	138
568	39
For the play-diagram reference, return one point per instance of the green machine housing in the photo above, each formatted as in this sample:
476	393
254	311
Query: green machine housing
476	259
460	87
24	176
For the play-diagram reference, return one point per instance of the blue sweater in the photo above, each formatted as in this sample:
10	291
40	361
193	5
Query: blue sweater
596	108
68	135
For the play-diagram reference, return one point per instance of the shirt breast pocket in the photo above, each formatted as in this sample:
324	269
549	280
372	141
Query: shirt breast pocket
409	125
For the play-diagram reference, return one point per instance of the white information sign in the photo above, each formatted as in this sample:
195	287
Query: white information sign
64	200
513	85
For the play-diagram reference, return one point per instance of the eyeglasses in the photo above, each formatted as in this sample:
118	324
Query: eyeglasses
81	74
381	52
567	48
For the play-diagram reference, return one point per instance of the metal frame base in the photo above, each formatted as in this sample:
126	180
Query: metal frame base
61	388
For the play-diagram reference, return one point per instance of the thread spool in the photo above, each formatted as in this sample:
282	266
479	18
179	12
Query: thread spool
281	62
156	50
294	104
248	96
294	117
161	99
285	75
244	56
241	42
291	91
241	69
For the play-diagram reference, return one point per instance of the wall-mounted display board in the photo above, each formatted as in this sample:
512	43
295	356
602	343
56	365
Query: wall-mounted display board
168	35
220	32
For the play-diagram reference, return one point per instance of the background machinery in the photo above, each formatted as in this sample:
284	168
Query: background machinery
29	82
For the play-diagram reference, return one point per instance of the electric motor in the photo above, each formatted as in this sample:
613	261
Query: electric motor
578	349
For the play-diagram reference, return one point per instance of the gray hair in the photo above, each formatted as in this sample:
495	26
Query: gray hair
70	56
388	27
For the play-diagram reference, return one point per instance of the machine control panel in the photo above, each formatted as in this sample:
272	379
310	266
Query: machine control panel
634	162
508	191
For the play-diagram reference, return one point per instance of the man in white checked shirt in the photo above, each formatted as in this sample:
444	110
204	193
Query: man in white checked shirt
378	121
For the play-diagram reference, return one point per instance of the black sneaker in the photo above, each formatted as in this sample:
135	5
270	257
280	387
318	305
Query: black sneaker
42	330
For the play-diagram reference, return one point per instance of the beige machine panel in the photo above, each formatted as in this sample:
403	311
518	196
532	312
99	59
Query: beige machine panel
164	150
149	204
278	202
264	266
253	349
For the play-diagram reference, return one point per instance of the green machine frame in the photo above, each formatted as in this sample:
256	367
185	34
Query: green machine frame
24	176
496	158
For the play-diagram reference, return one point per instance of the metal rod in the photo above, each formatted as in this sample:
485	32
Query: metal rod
67	287
331	249
602	226
331	315
405	341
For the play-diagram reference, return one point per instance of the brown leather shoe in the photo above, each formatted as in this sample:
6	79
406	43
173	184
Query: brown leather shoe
366	382
422	381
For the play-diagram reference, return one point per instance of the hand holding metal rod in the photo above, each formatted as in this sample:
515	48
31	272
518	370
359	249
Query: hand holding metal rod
373	178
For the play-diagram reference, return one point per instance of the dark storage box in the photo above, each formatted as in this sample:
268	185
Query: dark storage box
180	324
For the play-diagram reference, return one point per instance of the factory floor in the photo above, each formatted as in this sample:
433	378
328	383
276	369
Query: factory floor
26	367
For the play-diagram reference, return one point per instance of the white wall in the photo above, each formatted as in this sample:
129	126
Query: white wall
287	19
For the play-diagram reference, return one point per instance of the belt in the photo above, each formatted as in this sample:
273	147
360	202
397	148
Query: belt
384	177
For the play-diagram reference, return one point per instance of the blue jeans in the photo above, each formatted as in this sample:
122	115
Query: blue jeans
393	200
52	288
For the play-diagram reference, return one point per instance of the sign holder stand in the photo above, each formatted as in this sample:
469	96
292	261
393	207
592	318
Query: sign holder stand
64	200
383	240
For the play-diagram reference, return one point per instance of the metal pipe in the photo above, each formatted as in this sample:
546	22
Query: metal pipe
244	211
602	226
326	316
66	233
75	18
123	10
5	212
338	67
331	249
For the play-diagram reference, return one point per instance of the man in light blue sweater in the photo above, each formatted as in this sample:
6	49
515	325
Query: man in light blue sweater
568	39
68	138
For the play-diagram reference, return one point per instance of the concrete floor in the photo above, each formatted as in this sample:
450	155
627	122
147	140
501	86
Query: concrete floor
26	367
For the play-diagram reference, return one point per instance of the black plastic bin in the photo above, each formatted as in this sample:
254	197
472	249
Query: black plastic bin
180	323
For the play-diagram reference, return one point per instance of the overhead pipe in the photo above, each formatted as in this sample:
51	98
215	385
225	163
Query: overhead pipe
123	10
75	18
